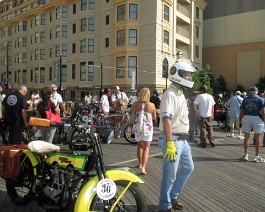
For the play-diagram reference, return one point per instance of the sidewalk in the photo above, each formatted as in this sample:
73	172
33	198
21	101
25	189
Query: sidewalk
220	181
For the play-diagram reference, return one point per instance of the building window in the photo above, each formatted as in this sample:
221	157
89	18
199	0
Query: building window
58	12
91	4
90	71
106	42
42	74
37	76
74	28
42	54
24	77
133	37
42	19
64	31
107	19
166	13
83	46
166	37
24	41
31	75
82	71
133	11
120	67
19	77
50	73
37	20
64	11
74	8
37	37
197	51
121	11
197	12
50	52
73	71
64	73
64	50
90	45
50	17
42	37
37	54
83	5
58	31
57	50
132	64
197	32
83	24
120	37
51	34
91	24
73	47
24	25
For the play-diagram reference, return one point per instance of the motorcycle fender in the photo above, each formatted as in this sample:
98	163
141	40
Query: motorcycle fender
33	158
88	191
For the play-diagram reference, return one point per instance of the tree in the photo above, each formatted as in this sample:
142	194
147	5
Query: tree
261	84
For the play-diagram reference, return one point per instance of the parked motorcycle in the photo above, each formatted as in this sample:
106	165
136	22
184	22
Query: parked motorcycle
69	180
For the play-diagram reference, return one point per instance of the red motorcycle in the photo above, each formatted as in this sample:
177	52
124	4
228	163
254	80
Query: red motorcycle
220	117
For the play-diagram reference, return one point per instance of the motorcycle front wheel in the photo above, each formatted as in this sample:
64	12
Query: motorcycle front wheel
20	189
132	200
129	135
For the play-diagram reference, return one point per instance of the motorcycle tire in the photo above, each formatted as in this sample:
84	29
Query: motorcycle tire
222	124
20	189
128	134
132	200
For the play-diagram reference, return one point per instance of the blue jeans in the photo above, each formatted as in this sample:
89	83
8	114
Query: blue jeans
47	134
175	174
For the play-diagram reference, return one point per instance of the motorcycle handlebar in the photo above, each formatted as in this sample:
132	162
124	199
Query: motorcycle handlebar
60	124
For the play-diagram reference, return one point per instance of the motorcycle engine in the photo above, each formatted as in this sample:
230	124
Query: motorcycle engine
57	184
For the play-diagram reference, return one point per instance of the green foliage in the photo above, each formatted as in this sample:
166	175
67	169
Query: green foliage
261	84
207	77
240	88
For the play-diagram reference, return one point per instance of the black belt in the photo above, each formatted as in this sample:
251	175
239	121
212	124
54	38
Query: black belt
181	136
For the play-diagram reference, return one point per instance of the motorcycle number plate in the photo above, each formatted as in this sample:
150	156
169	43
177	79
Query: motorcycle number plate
106	189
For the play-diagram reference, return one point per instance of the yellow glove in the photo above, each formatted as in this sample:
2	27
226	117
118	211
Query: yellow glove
171	151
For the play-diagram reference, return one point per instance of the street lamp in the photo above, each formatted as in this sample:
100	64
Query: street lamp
179	54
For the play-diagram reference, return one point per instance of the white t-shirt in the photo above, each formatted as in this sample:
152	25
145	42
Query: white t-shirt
121	95
57	98
205	102
174	105
105	103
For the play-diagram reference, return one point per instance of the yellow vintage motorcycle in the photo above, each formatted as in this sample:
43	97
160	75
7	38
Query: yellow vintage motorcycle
69	180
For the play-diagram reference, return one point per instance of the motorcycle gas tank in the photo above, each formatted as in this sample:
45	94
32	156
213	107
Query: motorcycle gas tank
66	159
114	117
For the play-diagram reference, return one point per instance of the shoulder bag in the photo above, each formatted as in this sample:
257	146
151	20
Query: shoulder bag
53	117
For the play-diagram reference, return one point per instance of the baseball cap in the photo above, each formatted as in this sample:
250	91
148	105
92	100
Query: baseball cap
116	87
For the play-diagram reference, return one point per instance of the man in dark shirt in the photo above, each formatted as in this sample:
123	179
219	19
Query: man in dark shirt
15	106
156	100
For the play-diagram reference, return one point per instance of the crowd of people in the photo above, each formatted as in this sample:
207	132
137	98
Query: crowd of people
179	119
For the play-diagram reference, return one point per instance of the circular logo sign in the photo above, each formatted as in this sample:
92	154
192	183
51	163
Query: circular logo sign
106	189
12	100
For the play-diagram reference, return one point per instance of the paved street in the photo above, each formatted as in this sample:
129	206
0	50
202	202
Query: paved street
220	181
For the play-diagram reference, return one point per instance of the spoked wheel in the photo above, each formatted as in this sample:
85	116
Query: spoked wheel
222	124
132	200
129	135
20	189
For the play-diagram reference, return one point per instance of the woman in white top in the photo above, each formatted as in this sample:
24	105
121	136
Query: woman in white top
143	126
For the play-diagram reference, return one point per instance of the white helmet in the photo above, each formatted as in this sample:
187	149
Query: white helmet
220	95
176	73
